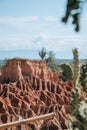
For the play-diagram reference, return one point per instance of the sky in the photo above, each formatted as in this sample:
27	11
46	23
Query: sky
28	25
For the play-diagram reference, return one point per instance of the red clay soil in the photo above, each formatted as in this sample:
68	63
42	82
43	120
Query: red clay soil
28	88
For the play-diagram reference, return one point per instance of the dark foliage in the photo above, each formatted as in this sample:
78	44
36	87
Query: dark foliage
83	77
67	71
74	9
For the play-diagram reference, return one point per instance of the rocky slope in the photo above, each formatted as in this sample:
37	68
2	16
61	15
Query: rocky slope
29	88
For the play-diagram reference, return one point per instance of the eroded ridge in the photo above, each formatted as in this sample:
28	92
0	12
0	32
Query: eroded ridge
30	95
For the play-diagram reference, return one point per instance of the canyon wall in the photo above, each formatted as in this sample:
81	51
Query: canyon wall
28	88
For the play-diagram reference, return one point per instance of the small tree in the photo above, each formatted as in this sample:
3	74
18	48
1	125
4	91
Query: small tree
42	53
51	61
51	57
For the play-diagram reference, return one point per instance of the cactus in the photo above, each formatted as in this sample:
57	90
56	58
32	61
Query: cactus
42	53
76	70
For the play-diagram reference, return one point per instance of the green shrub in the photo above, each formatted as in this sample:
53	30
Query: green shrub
67	71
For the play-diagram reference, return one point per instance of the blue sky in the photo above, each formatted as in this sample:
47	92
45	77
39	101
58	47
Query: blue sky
28	25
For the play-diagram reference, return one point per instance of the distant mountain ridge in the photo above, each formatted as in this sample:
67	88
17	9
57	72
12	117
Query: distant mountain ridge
69	61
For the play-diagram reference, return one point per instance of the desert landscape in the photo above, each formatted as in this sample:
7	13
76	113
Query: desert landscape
43	65
29	88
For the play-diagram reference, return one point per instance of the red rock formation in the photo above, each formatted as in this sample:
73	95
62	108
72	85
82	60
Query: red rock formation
32	90
18	68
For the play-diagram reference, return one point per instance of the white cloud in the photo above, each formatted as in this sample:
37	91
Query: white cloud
50	42
15	42
50	18
58	44
17	20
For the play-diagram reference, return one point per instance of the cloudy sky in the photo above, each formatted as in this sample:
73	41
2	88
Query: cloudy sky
28	25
